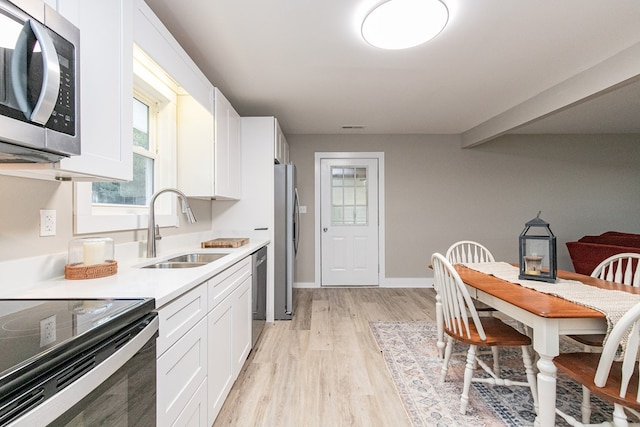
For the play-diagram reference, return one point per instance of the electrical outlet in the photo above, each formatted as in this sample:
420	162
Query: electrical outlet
47	222
47	330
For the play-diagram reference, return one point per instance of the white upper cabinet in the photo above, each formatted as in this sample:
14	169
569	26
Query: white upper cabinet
156	41
106	75
209	150
228	162
281	147
196	149
208	128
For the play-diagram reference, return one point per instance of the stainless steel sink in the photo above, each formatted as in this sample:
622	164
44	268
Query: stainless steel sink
187	260
173	264
197	258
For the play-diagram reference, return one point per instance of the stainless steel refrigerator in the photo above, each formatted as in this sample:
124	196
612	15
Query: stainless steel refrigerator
286	237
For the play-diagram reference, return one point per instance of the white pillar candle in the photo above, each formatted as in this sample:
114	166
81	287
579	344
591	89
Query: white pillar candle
93	253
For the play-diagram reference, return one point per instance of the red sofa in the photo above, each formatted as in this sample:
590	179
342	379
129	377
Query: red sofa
590	251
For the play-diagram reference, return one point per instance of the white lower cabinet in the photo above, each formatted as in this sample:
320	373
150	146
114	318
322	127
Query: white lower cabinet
204	340
181	370
229	323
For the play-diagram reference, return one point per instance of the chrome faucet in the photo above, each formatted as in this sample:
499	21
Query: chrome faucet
152	236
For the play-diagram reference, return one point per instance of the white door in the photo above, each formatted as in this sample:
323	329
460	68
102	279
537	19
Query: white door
349	222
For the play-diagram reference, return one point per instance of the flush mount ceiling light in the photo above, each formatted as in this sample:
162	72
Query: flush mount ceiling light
400	24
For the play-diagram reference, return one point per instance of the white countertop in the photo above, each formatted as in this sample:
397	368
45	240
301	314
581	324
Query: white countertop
132	281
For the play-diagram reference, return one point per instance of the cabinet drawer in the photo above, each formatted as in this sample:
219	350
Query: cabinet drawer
180	315
220	286
180	372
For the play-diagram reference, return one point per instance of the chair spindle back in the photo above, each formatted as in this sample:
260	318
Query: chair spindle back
457	305
620	268
468	251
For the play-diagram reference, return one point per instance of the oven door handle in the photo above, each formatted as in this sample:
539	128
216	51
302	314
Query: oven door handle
49	410
32	32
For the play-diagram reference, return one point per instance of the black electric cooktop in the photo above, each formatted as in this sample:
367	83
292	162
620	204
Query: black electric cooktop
35	331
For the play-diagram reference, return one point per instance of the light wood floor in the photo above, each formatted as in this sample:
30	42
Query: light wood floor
323	368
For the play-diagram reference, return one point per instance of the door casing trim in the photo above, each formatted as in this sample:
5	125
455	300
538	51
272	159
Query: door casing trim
381	215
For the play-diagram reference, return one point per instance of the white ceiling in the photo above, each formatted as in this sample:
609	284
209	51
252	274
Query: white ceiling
497	65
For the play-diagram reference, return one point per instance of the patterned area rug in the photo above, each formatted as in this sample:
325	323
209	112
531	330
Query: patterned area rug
410	353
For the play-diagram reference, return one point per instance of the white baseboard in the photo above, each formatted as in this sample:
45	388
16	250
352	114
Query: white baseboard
305	285
389	282
407	282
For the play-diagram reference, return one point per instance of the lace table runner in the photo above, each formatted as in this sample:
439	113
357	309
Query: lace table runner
612	303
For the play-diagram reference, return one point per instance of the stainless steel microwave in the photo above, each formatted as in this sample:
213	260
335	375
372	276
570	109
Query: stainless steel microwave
39	84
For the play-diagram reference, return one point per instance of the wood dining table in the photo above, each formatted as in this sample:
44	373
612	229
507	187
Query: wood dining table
548	316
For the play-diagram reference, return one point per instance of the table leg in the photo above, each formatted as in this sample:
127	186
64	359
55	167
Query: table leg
546	392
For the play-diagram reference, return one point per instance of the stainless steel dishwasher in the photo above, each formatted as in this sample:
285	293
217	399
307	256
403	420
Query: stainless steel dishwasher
259	292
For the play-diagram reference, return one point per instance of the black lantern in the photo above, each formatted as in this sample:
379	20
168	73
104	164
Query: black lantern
538	251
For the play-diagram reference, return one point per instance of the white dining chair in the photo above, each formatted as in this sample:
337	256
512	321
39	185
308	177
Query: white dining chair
621	268
459	252
462	323
608	375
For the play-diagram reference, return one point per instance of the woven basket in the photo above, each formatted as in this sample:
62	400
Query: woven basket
81	271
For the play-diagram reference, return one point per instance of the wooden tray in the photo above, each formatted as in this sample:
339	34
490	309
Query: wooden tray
228	242
81	271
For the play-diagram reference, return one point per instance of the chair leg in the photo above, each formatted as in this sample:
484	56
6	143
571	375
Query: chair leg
586	405
468	375
619	416
585	408
496	360
440	327
447	356
531	375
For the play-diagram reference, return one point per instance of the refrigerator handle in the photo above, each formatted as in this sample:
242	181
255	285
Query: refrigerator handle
296	222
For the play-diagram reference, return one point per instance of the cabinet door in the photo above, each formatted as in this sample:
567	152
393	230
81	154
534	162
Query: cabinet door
228	175
106	88
180	371
195	151
195	413
220	362
281	149
242	315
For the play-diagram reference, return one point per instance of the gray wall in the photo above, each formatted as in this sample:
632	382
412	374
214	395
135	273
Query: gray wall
437	193
22	198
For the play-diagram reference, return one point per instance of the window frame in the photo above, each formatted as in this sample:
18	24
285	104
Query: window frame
152	85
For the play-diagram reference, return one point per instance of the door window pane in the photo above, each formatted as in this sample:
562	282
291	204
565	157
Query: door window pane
349	196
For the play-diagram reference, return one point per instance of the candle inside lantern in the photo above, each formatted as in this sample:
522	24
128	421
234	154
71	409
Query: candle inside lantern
533	264
93	252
